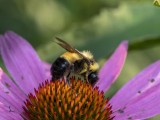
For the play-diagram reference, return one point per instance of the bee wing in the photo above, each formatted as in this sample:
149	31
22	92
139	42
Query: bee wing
64	44
68	47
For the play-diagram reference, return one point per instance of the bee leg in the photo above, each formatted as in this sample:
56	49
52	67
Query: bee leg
86	78
68	82
67	79
87	73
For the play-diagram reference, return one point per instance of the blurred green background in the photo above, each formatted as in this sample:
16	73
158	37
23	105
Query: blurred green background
98	26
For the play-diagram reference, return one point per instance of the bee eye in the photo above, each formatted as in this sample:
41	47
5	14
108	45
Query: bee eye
92	78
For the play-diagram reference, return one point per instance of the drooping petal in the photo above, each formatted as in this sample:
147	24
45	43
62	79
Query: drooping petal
140	97
12	87
143	108
21	61
8	114
112	68
9	94
47	67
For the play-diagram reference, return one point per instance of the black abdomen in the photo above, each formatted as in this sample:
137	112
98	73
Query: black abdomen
59	68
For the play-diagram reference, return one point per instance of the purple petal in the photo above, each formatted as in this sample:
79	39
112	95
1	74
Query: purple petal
12	87
47	67
22	62
142	109
10	98
140	97
6	114
10	116
112	68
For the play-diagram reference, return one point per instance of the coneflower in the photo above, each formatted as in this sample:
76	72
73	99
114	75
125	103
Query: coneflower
30	95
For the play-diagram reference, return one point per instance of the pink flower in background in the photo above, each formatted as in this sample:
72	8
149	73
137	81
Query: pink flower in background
137	99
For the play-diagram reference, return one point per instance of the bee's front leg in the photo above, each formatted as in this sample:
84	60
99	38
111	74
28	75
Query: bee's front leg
86	77
87	72
68	79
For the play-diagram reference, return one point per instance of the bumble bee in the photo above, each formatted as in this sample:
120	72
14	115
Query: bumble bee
76	62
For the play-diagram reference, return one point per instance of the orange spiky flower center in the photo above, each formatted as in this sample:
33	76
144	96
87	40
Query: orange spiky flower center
59	101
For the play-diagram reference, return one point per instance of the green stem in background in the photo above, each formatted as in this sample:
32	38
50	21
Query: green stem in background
144	43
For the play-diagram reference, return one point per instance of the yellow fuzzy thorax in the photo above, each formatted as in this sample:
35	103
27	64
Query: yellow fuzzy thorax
72	57
87	54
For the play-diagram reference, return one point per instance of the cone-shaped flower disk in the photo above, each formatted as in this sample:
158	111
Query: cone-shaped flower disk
30	95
